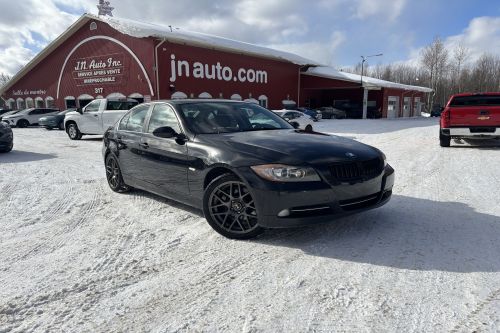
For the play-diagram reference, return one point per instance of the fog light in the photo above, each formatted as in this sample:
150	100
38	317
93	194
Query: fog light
284	213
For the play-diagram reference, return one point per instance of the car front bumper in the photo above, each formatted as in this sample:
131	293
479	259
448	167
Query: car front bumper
296	204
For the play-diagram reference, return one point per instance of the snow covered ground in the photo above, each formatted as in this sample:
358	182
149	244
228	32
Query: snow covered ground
75	256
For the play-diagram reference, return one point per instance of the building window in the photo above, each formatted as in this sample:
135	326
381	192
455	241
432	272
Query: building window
236	97
251	100
70	102
138	97
263	101
204	95
29	103
93	26
179	95
116	95
84	100
39	102
11	103
20	104
49	102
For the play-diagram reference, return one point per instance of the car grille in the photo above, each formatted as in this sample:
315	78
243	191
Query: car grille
357	170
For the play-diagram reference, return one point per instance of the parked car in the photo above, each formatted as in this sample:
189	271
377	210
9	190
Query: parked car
96	116
6	138
55	121
244	166
470	116
27	117
314	114
297	119
329	112
4	111
8	113
436	111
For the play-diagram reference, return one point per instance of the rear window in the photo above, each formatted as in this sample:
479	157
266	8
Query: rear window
476	100
121	105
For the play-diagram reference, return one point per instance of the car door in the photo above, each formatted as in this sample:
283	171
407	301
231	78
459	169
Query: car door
128	137
33	116
91	122
165	159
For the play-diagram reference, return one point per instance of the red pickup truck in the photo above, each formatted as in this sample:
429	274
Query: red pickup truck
470	116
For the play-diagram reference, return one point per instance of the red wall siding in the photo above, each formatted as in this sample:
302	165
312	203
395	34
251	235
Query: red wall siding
282	77
401	94
46	74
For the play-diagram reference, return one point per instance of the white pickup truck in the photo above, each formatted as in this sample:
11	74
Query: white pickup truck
96	116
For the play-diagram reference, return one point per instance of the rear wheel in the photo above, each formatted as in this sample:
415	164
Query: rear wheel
73	132
444	141
230	208
114	175
23	123
48	128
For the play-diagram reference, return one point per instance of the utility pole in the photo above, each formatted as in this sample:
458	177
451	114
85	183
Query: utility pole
365	91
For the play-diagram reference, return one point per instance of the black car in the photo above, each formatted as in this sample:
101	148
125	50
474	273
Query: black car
244	166
6	138
55	121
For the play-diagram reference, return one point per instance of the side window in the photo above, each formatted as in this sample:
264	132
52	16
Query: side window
162	116
135	119
93	106
35	112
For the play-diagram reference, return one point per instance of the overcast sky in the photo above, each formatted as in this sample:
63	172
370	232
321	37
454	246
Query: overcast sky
333	32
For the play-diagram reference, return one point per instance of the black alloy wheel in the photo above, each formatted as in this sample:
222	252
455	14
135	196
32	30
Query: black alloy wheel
23	123
114	175
230	208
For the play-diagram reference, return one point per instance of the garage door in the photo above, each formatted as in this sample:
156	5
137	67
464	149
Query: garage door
392	106
406	106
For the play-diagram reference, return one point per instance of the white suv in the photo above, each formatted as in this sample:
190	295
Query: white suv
28	117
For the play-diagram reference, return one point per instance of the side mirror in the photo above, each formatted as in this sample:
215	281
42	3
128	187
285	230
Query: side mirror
166	132
79	110
295	124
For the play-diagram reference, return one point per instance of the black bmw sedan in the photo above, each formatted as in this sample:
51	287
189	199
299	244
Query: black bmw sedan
245	167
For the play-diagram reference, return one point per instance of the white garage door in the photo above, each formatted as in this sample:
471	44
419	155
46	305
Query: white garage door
392	106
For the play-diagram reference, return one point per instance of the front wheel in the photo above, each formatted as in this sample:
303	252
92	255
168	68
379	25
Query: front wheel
8	149
73	132
114	175
309	128
230	208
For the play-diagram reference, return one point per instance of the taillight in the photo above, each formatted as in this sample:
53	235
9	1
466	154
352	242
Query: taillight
445	118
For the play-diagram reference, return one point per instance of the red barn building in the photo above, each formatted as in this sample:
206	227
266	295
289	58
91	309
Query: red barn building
97	57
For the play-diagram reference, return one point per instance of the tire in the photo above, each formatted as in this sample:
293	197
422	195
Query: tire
114	175
23	123
48	128
8	149
73	132
230	209
309	128
444	141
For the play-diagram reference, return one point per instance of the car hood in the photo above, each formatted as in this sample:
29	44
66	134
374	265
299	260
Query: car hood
289	146
12	116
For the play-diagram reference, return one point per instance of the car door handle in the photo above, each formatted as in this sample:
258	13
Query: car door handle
144	145
96	115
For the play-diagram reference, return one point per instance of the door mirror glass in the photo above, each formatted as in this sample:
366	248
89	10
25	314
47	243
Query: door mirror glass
166	132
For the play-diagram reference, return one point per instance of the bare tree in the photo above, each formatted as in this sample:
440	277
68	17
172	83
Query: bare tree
460	56
4	78
435	62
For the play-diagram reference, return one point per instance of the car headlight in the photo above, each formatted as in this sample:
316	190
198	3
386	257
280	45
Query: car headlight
286	173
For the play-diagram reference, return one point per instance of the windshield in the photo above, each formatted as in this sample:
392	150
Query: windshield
223	117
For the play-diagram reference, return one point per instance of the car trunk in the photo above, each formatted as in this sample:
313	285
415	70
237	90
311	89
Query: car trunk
475	110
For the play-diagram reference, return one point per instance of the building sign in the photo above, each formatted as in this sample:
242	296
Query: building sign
198	70
27	92
104	69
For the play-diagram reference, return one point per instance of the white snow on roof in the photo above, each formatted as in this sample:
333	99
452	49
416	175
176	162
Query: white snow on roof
368	82
140	30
